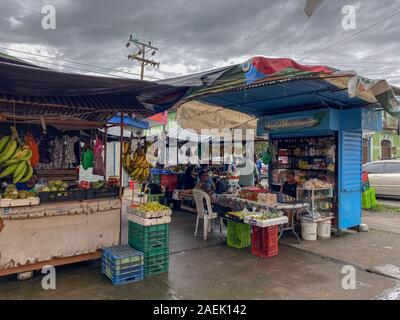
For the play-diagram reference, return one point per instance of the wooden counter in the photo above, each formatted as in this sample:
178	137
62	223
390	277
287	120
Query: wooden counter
55	234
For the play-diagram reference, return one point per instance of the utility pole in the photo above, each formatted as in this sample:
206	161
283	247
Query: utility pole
140	55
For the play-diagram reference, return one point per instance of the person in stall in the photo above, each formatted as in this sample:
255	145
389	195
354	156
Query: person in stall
248	172
189	180
30	185
290	185
205	186
209	182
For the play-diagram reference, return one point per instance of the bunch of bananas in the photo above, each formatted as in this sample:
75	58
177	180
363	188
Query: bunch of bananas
135	163
14	160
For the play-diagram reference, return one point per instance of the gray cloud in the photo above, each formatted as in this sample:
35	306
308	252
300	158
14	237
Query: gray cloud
194	34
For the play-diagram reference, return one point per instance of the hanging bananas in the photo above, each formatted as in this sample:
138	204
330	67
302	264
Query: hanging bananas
14	159
135	163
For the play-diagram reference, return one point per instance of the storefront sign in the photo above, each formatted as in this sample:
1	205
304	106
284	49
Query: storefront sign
293	123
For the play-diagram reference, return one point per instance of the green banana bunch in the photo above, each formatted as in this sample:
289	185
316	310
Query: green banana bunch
3	142
9	170
14	159
19	173
8	151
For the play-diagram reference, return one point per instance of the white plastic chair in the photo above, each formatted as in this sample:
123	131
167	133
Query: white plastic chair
208	215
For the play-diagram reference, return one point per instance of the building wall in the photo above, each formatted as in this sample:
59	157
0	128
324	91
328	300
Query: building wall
378	137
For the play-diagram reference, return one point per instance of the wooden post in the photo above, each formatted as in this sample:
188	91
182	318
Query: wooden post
121	155
105	150
121	141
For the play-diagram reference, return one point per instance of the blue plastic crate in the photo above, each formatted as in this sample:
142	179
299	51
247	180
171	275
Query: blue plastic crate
107	267
121	256
125	278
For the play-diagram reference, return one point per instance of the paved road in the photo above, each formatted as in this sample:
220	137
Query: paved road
211	270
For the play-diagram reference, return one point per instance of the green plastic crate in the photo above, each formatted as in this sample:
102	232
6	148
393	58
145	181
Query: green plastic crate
148	238
238	235
156	262
366	199
372	197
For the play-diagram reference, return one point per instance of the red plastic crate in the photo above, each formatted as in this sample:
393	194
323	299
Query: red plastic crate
169	181
365	176
264	241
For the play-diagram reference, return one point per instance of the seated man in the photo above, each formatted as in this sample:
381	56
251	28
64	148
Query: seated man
205	185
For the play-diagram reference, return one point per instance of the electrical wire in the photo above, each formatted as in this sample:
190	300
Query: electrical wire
351	36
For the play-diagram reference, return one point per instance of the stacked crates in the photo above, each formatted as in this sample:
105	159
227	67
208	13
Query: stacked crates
122	264
153	241
369	199
264	241
238	235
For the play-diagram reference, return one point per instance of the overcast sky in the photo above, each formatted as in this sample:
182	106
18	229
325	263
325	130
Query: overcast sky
195	35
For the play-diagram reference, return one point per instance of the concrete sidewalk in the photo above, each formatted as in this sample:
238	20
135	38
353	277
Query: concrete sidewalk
211	270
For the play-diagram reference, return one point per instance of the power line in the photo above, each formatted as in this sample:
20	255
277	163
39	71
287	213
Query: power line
74	62
352	35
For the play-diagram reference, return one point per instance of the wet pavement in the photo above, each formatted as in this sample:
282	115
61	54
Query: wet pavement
211	270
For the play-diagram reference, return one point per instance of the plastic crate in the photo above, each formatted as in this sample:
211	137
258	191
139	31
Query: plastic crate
119	280
372	195
120	256
102	193
264	241
364	176
366	199
122	264
156	261
147	238
238	235
170	182
61	196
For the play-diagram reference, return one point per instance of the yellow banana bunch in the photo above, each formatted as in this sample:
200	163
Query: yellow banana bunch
135	163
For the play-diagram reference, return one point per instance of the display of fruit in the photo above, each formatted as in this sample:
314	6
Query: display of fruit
55	186
239	214
98	184
14	159
152	207
84	185
135	163
113	181
266	215
11	192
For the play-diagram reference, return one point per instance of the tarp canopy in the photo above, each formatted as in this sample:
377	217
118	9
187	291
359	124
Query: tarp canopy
29	90
263	86
198	116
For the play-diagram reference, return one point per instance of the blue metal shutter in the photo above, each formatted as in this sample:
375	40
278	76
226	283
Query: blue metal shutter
350	172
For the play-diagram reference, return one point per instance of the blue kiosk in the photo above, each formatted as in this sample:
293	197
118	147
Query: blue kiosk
308	136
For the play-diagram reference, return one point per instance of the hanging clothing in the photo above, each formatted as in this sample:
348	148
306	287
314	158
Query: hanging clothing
58	153
69	151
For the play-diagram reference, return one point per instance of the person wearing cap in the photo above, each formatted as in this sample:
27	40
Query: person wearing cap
204	184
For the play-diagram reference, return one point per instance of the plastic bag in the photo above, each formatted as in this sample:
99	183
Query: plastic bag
98	166
31	143
87	158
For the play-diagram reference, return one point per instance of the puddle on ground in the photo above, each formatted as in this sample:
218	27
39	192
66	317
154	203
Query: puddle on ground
390	270
390	294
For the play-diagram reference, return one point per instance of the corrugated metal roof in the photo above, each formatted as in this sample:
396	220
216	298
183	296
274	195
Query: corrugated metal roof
284	96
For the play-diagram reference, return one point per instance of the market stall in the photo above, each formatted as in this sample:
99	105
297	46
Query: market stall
314	117
49	215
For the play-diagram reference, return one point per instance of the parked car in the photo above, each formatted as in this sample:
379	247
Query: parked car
384	177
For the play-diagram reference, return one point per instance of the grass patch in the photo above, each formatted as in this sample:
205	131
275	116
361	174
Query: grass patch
384	208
